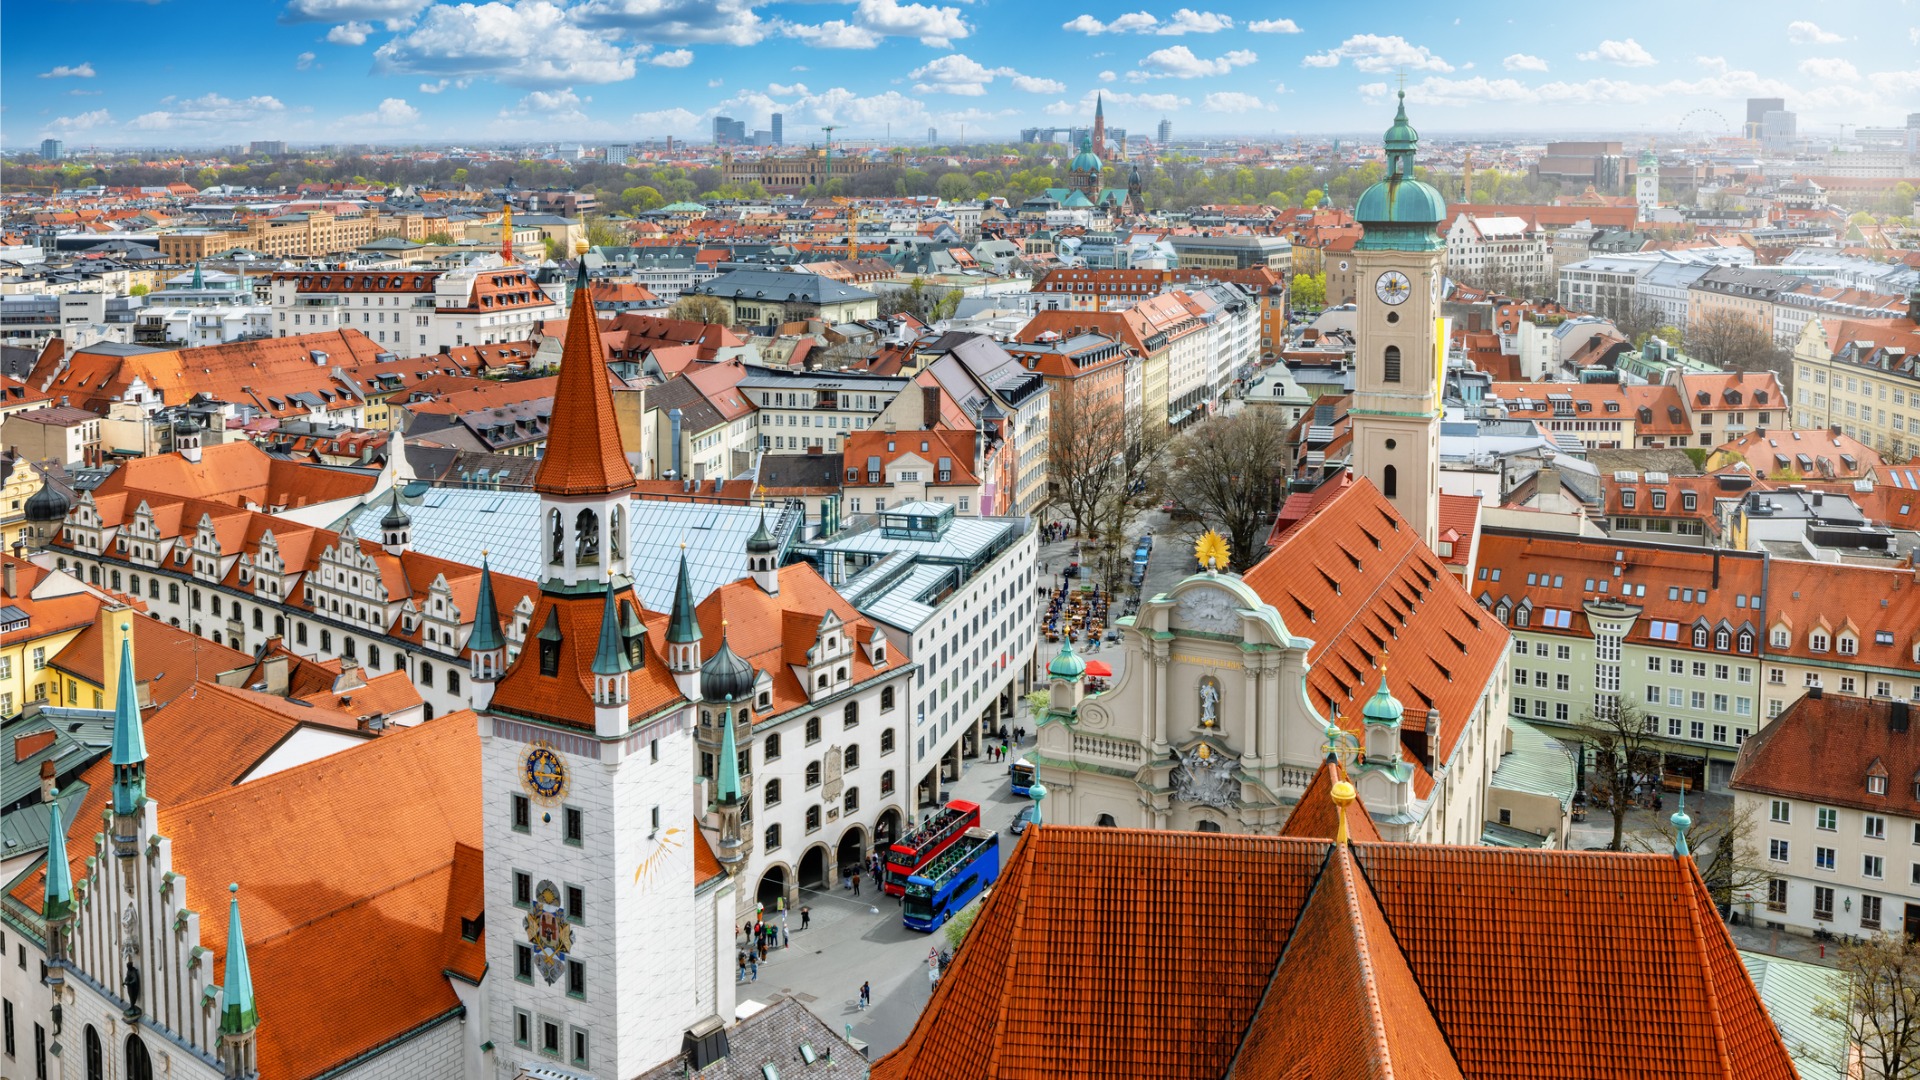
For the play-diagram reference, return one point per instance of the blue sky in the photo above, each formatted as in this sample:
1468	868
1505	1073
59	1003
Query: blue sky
211	72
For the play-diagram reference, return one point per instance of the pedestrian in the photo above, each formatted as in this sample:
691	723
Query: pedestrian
754	969
856	883
740	968
806	916
866	994
784	942
933	978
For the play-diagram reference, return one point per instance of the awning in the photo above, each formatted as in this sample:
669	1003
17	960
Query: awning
1099	669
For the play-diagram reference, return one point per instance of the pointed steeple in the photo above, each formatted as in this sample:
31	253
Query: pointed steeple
486	616
583	454
1681	822
611	657
58	903
726	786
238	1015
683	628
129	740
199	282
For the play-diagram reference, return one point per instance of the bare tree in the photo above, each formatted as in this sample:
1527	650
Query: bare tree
1723	844
1087	441
1627	750
706	309
1634	316
1726	340
1228	470
1881	1015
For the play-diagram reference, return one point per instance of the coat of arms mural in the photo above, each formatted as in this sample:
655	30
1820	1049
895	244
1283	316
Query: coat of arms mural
549	932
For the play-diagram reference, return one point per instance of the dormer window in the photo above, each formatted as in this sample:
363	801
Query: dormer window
1817	642
1849	645
1876	785
1781	638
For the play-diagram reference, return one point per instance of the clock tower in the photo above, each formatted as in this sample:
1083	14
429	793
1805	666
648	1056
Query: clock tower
1397	350
604	942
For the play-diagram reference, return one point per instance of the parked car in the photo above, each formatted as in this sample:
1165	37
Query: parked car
1021	820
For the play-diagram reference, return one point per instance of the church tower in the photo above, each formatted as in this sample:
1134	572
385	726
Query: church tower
1398	353
1646	189
605	949
1099	123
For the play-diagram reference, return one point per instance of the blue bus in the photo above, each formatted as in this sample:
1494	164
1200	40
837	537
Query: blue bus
951	881
1020	775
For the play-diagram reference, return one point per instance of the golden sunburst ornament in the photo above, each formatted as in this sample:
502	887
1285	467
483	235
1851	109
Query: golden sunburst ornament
1211	551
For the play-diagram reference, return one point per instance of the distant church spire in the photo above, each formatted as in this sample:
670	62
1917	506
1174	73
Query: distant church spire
1099	123
129	740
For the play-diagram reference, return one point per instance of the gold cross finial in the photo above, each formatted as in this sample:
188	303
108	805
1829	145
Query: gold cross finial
1403	80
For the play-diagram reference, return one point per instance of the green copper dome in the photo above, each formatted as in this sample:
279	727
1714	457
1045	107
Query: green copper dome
1400	213
1068	664
1382	707
1086	160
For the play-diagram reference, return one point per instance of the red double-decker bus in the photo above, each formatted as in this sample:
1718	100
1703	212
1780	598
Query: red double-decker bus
921	846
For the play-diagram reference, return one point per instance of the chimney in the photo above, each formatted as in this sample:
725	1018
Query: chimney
12	581
929	407
273	675
47	773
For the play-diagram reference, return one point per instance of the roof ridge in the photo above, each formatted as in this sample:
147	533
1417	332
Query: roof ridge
1690	879
1233	1063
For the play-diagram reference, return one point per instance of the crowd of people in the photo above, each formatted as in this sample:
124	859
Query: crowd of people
1079	614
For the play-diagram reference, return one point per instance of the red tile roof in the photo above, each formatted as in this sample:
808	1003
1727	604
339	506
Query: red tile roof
1114	952
566	697
583	454
1317	817
1822	750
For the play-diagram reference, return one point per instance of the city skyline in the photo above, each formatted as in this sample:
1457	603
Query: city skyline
402	72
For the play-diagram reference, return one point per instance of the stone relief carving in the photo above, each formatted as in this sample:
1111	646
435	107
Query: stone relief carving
1206	778
830	788
1212	611
1093	717
130	932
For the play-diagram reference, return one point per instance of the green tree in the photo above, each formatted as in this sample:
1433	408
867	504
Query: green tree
1309	292
927	303
460	176
438	237
1899	201
602	233
954	187
139	290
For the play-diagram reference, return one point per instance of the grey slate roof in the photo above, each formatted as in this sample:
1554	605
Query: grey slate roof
774	1042
779	285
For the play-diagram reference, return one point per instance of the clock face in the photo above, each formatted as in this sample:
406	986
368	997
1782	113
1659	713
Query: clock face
544	775
1343	264
1393	287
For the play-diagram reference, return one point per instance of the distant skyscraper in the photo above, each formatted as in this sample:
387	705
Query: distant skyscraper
52	149
1757	110
933	135
1166	132
267	148
779	130
1778	130
618	153
728	130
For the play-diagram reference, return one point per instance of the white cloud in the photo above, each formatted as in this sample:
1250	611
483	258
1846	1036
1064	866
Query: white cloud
834	34
1730	85
1179	62
1232	101
1137	22
678	22
667	121
1829	69
1628	53
955	73
1896	83
531	43
1108	76
676	58
1085	24
1523	62
1122	99
1716	64
353	33
934	25
778	90
1806	33
1183	21
83	122
1035	85
390	113
1189	21
1273	26
1281	88
209	111
1375	53
395	13
70	71
304	61
716	81
556	101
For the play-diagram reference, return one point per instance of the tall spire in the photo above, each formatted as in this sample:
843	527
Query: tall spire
611	657
486	617
683	627
583	454
1099	123
129	740
726	788
198	281
58	902
238	1014
1680	824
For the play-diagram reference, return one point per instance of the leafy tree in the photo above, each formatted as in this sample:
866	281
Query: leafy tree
1898	202
1309	292
601	233
459	176
641	198
139	290
954	187
1627	751
1881	1013
698	308
440	236
957	927
1229	470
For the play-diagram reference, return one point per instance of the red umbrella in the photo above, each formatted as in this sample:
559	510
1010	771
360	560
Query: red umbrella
1099	669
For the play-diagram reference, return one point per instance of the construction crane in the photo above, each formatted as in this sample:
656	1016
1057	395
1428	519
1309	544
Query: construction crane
853	223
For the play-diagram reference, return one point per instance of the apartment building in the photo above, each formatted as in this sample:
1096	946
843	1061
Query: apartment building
414	312
1833	786
1503	250
1675	632
1862	376
1743	293
1842	628
798	410
888	468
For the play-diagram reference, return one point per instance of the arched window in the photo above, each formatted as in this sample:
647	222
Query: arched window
1106	821
773	837
772	797
850	716
886	782
613	534
813	774
1722	640
373	657
139	1065
326	641
1746	641
426	675
1209	826
96	1056
813	729
586	538
886	741
852	802
1390	364
886	698
813	818
851	758
556	538
1699	637
1390	481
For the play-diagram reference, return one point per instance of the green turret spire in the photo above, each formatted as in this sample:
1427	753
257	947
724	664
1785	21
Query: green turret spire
611	657
727	787
486	617
238	1015
198	281
683	627
129	740
59	893
1681	822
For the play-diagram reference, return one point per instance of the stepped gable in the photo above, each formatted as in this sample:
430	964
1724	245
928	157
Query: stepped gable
1355	578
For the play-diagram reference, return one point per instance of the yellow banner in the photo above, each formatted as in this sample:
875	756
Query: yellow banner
1442	326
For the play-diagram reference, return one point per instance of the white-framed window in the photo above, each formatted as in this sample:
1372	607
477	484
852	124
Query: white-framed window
1874	827
1778	850
1781	810
1825	858
1826	819
1873	866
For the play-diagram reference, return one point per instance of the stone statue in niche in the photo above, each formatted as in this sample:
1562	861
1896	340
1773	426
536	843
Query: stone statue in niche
1209	702
1206	778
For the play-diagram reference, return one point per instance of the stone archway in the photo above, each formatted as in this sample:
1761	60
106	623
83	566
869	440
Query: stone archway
851	853
887	829
813	870
774	887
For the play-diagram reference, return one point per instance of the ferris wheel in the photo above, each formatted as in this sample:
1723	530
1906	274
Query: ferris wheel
1704	124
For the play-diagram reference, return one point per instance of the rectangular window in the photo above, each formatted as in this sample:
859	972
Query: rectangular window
1826	819
579	1047
522	1027
523	962
576	903
549	1036
1777	894
1873	866
522	889
1823	858
1777	850
522	814
576	979
1823	903
1875	827
574	825
1870	912
1781	811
